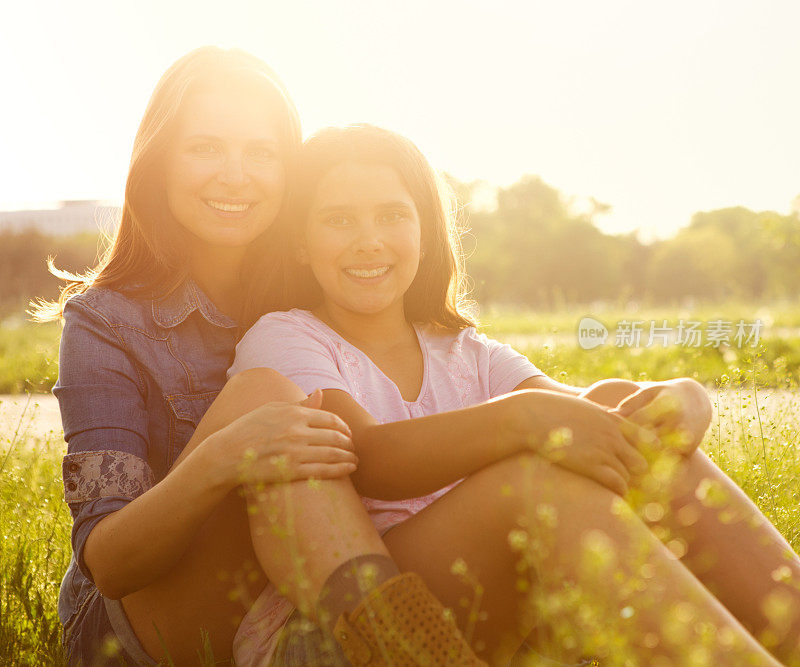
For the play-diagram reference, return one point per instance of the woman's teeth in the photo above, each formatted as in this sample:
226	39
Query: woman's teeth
367	273
230	208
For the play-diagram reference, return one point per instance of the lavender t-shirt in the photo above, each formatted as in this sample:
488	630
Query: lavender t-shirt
460	369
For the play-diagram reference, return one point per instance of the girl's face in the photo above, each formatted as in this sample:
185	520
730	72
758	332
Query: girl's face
362	238
225	175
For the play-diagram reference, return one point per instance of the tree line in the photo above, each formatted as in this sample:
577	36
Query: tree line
533	250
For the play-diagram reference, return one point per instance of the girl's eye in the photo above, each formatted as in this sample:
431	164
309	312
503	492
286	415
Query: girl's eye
337	221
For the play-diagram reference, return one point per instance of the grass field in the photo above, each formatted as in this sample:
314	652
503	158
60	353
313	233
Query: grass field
754	438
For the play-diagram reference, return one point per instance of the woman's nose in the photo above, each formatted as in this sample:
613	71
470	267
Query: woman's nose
233	171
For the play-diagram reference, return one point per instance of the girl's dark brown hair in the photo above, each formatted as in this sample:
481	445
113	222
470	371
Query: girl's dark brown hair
437	294
147	253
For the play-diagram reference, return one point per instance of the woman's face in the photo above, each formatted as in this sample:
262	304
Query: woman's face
362	238
225	174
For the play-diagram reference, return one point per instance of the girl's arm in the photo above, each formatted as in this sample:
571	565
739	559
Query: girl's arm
678	411
418	456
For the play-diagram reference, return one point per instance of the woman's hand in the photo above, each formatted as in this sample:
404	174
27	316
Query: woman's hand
282	442
677	411
583	437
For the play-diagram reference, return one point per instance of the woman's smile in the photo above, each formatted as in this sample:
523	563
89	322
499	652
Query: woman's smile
225	173
229	207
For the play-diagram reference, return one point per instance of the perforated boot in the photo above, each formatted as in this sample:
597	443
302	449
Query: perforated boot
401	623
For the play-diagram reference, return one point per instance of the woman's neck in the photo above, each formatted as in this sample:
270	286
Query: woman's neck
217	274
368	330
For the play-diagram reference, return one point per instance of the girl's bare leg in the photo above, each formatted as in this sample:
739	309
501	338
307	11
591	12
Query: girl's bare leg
731	547
222	573
325	523
569	533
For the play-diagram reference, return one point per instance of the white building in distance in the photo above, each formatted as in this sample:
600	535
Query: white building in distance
67	219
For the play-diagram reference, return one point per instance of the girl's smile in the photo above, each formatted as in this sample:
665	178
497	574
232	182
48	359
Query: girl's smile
363	238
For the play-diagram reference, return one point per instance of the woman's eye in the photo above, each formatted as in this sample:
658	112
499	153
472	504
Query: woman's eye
263	153
203	149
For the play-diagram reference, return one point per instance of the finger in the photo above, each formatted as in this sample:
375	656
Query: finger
644	417
631	458
309	436
313	400
664	406
611	479
643	439
617	465
324	470
636	401
325	419
324	454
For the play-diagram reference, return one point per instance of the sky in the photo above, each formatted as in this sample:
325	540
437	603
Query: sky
658	109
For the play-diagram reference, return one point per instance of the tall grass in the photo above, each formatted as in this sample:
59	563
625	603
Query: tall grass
35	551
754	438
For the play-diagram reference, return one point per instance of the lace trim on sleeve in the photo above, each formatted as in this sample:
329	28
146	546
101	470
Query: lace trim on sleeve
92	475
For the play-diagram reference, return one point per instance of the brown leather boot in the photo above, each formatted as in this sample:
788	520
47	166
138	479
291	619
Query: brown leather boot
401	623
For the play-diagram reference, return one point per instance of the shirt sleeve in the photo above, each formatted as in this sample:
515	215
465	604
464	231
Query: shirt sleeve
100	396
292	348
507	367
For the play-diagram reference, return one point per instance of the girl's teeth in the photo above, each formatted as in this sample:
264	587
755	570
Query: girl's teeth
367	273
230	208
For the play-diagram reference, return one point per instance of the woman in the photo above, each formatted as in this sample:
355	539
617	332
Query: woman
161	544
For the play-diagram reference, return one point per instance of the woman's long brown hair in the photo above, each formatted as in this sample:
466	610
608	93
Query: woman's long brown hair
147	253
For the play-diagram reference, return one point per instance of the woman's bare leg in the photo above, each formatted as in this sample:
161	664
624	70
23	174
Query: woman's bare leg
565	529
222	574
727	542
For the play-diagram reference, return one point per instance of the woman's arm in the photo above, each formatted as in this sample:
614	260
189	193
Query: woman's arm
267	443
127	531
133	546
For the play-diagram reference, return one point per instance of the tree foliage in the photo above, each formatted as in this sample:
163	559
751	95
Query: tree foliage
534	249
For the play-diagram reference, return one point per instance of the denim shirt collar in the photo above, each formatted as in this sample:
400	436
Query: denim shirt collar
171	310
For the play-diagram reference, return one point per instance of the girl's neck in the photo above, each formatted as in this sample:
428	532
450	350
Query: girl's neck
367	330
216	272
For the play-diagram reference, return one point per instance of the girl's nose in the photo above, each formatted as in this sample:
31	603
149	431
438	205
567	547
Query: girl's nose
369	239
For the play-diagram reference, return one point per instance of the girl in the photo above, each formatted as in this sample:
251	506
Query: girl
164	562
468	453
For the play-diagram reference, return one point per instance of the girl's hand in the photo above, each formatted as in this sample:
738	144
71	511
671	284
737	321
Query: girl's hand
584	437
283	442
677	411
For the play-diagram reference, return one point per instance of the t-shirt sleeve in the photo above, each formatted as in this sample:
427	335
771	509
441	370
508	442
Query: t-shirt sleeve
281	342
507	367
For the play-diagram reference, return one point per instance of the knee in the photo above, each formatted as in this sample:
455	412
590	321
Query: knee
610	392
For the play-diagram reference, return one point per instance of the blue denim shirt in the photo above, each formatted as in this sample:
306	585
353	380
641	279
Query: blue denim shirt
135	377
